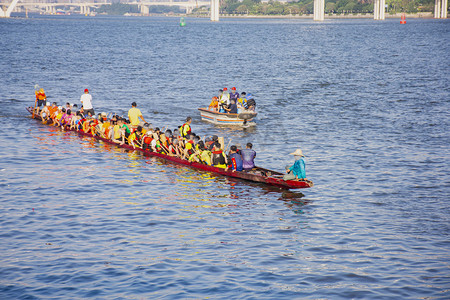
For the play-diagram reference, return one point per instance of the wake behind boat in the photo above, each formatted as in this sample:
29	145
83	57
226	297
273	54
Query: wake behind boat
257	174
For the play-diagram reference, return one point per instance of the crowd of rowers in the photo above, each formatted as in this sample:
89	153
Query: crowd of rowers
233	102
180	142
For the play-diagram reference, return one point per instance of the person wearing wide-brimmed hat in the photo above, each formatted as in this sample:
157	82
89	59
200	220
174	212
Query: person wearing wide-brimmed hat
297	170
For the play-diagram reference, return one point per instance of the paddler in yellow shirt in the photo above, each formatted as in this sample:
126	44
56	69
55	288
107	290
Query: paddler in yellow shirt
134	114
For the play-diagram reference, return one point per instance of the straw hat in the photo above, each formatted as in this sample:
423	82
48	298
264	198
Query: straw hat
297	152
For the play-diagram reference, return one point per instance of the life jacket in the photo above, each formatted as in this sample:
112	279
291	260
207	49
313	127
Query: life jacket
185	130
218	159
191	149
148	140
206	157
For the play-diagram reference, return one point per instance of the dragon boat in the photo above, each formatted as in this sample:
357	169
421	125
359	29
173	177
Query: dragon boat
241	119
258	174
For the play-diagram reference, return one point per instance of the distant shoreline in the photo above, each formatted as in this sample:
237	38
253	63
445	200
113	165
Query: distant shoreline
423	15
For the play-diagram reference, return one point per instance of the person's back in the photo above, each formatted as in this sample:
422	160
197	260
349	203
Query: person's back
134	114
248	157
235	161
251	103
86	101
218	158
233	108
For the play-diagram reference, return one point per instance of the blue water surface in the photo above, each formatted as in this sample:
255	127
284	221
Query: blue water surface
366	101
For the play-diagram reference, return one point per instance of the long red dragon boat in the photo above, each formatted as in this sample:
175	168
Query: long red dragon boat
258	174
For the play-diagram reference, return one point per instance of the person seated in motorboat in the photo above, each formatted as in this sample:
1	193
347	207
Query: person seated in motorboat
224	100
248	157
241	103
214	104
234	95
242	100
251	103
297	170
234	160
232	109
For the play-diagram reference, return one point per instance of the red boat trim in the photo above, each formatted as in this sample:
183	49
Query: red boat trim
294	184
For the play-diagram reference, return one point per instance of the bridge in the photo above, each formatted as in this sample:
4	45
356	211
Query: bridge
440	8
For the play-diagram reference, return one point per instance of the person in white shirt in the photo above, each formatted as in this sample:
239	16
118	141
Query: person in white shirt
86	101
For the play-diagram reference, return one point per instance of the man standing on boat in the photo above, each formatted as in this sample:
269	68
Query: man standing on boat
86	102
185	129
41	98
134	114
297	171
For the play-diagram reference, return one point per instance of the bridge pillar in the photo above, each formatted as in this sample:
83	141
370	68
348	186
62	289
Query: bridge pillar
379	9
6	12
81	10
87	10
319	10
145	10
53	10
440	9
215	10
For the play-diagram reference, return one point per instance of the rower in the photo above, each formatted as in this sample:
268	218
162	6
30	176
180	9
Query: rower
218	158
136	137
235	160
297	170
248	157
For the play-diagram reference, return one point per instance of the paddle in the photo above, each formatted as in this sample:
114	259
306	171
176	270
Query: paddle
226	148
34	109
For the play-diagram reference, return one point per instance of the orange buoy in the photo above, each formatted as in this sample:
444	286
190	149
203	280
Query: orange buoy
403	20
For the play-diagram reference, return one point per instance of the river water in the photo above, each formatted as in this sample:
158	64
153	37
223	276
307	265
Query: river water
366	101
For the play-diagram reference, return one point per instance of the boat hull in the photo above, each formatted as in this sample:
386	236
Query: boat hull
241	119
270	178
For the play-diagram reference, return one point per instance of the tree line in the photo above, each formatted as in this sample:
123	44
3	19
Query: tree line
256	7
